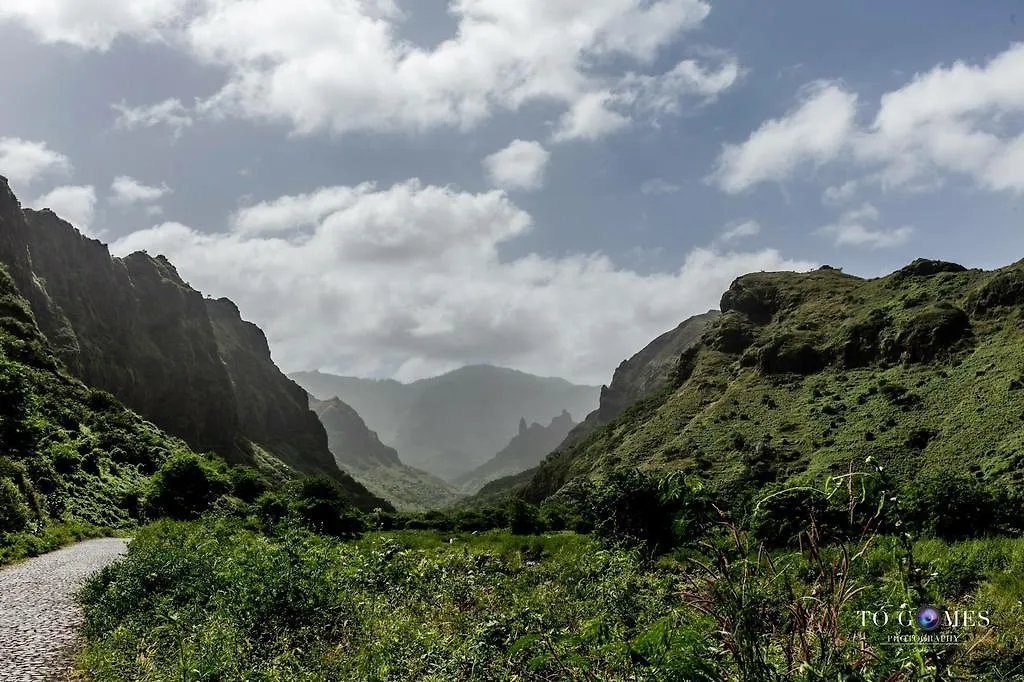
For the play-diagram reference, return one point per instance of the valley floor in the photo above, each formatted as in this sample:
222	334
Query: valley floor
220	600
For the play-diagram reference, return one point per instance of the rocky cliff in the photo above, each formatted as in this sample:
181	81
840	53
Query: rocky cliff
647	372
133	327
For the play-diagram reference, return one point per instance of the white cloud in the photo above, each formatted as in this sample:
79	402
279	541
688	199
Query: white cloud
853	229
749	228
171	113
23	161
655	186
95	24
520	165
74	203
408	279
126	190
589	118
815	132
960	120
838	195
339	66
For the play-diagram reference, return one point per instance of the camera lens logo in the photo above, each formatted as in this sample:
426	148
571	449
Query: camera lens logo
928	618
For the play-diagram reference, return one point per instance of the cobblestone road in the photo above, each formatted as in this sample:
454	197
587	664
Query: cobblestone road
38	614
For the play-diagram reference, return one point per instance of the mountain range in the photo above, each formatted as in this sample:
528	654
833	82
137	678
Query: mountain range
451	424
358	451
525	451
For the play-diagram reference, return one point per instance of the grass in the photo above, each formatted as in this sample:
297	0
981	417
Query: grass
217	599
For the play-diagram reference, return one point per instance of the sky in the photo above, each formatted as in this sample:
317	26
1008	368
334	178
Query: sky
395	188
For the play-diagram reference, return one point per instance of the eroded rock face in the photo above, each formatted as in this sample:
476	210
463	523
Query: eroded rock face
649	370
140	332
131	326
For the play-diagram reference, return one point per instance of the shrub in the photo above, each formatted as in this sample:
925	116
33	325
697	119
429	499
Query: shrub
184	487
14	513
950	506
523	517
247	484
322	507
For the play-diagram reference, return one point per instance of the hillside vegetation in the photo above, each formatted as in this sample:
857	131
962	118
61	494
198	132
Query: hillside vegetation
922	370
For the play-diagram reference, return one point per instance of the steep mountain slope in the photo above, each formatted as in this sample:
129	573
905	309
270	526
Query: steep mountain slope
457	421
807	374
133	327
648	371
526	450
67	451
358	451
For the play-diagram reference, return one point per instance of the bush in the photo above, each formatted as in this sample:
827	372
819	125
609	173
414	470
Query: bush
322	507
952	507
185	487
247	484
636	508
14	513
523	517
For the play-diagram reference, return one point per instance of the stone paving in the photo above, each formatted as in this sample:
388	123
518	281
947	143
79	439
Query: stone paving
38	614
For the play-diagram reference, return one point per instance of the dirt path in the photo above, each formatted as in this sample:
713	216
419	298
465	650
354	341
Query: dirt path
38	614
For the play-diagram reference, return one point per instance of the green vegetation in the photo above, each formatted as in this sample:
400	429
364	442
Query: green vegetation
802	374
684	594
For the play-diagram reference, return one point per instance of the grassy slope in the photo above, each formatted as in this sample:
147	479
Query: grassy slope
809	372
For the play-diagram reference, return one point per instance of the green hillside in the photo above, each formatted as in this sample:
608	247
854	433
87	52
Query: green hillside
803	374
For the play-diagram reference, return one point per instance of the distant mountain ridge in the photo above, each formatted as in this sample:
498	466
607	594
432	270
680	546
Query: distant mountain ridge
131	326
450	424
358	451
526	450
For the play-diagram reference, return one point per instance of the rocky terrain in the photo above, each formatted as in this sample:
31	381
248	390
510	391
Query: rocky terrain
131	326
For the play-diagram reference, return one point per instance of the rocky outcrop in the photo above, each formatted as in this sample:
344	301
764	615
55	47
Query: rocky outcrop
648	371
133	327
525	451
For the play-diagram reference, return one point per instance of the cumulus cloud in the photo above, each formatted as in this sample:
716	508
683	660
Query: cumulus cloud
407	279
813	133
854	228
170	112
339	66
74	203
520	165
962	120
93	25
126	191
24	161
